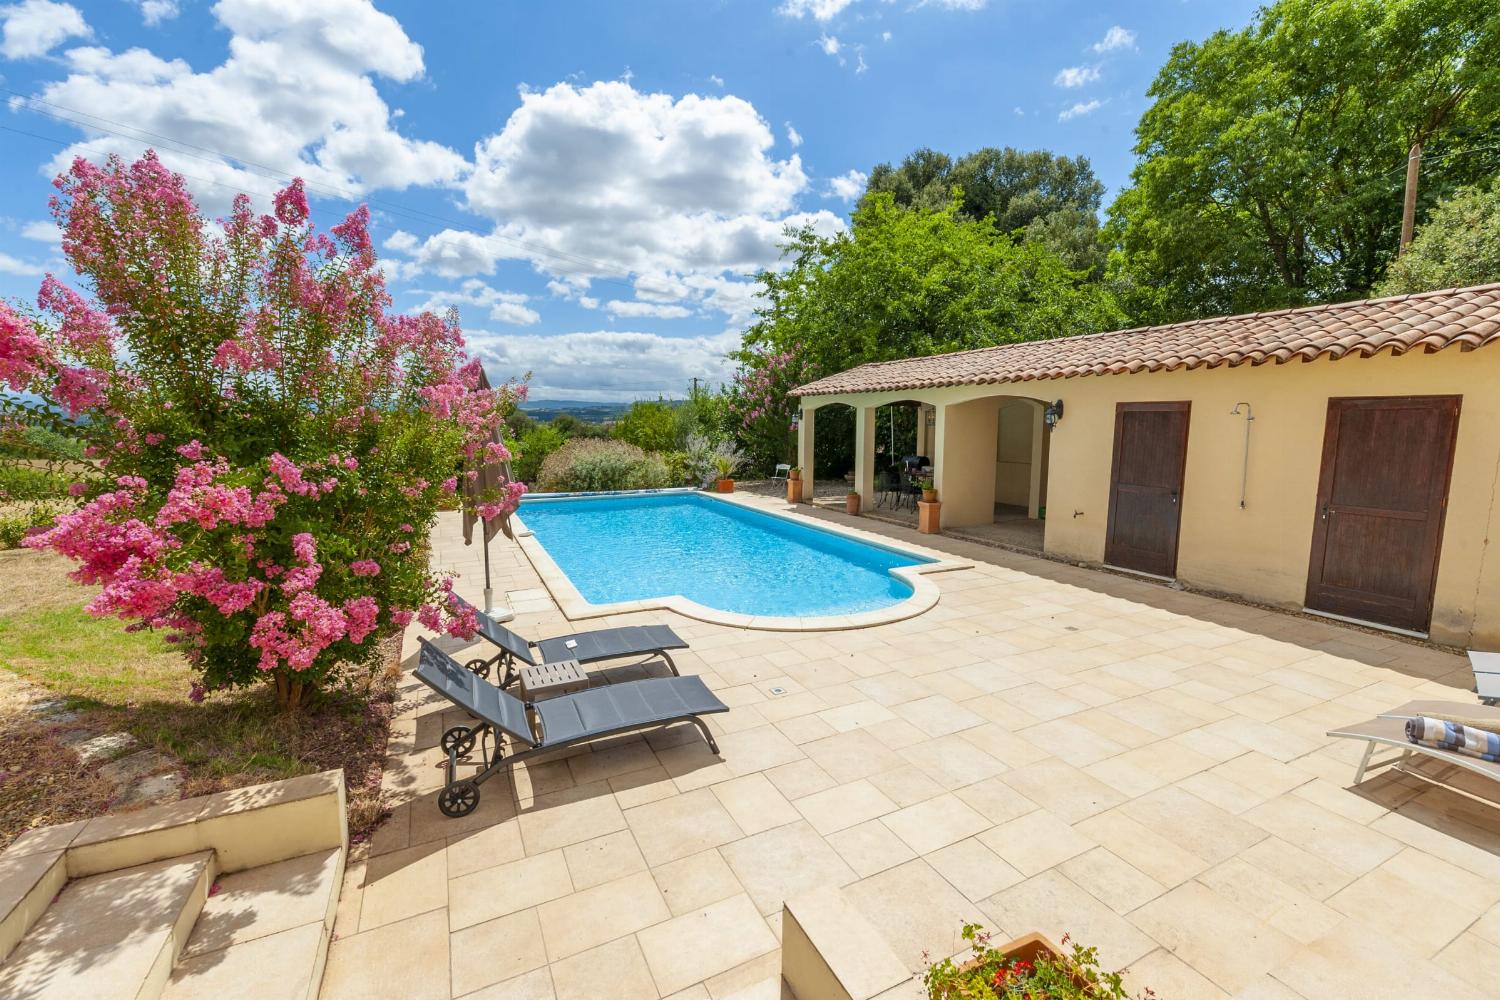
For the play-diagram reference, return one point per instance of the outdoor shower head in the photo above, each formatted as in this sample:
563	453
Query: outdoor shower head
1249	415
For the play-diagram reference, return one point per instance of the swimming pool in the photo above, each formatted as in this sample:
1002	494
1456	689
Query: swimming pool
717	554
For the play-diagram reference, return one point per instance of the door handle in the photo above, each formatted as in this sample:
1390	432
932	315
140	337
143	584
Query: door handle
1174	496
1327	510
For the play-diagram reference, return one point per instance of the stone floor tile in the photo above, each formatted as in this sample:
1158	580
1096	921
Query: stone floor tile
905	786
534	985
682	825
754	803
1269	899
1354	960
266	900
915	909
496	950
973	869
1114	882
623	758
997	801
402	884
1218	939
494	845
1062	789
851	756
805	729
757	979
1000	742
616	970
870	847
705	942
1473	959
938	715
515	885
413	952
1052	905
639	787
587	919
1200	827
603	859
1339	841
952	761
782	862
855	715
843	806
800	778
936	823
1036	841
570	816
757	749
1166	975
1368	898
695	881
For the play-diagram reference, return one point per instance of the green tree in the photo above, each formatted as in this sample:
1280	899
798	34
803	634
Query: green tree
1458	245
1272	158
649	425
1052	199
906	282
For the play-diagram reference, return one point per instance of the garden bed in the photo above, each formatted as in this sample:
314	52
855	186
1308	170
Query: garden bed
109	681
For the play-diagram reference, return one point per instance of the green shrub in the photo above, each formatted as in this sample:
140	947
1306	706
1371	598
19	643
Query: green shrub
679	468
32	482
586	465
648	425
534	447
15	523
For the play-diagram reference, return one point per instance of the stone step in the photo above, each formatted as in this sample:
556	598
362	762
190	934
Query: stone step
263	933
831	951
114	935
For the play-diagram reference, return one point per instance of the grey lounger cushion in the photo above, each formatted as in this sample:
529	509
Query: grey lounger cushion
609	643
613	707
479	698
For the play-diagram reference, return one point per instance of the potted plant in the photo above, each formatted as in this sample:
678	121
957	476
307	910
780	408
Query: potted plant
929	493
851	502
1030	966
726	460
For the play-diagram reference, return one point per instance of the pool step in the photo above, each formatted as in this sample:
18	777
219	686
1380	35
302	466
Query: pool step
113	936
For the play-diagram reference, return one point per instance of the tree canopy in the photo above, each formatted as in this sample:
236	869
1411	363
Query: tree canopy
903	282
1053	199
1458	245
1272	160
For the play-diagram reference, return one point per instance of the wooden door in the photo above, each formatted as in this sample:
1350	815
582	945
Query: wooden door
1145	486
1381	499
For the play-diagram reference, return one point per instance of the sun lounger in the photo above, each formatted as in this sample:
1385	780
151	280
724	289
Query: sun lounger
585	647
1389	729
1486	675
544	726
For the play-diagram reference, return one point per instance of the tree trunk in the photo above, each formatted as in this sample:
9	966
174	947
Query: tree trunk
290	693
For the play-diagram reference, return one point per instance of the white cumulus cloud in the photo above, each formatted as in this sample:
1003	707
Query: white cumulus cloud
848	186
1080	109
1115	38
15	265
153	12
621	307
1076	76
793	136
296	94
503	307
605	364
35	27
819	10
829	44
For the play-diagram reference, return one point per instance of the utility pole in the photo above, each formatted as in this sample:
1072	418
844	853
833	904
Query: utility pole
1409	209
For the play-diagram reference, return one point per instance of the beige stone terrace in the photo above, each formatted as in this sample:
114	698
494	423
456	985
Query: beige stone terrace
1049	748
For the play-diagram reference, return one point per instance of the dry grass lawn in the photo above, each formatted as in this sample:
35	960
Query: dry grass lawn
136	683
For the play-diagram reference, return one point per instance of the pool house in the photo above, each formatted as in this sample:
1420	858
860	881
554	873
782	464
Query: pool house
1340	459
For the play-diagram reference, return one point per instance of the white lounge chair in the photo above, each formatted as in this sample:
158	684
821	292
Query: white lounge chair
1486	675
1389	729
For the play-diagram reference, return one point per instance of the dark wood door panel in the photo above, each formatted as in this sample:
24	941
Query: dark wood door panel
1382	496
1150	453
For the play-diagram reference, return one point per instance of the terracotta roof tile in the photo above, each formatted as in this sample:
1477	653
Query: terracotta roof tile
1430	321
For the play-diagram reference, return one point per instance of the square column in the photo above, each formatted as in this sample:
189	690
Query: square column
864	456
805	450
1038	462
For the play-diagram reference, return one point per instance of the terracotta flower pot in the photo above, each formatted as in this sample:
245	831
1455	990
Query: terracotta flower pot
725	486
930	496
1028	949
851	503
794	475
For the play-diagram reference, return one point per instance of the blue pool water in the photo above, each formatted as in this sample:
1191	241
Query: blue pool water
628	548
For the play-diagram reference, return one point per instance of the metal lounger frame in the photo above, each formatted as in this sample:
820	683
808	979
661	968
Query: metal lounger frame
1389	729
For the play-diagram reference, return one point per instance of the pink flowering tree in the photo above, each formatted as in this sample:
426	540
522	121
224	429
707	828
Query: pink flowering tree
267	447
761	404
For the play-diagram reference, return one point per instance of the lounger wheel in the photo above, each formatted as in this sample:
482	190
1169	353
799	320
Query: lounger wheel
461	737
458	799
478	667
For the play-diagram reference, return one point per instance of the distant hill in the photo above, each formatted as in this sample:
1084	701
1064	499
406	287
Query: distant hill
593	411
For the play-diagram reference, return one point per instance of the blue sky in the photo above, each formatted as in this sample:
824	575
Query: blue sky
590	183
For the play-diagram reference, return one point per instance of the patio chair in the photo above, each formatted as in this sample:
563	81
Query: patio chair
585	647
541	727
1486	675
1389	729
781	472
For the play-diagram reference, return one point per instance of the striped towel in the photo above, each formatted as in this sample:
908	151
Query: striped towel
1455	737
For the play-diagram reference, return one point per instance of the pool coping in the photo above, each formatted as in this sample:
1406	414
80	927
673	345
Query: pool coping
924	597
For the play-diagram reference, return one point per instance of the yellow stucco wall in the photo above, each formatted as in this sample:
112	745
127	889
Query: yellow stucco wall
1260	551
